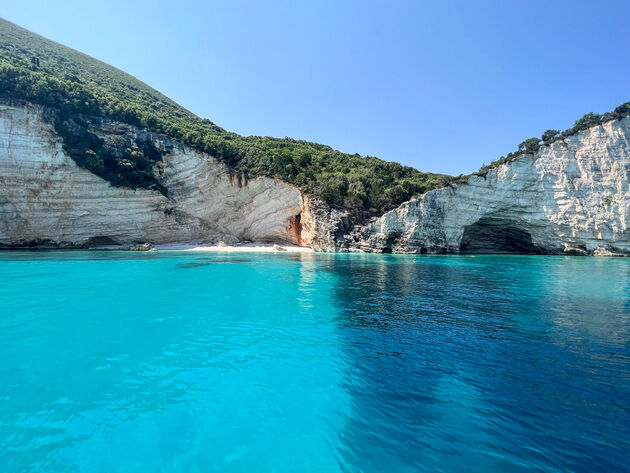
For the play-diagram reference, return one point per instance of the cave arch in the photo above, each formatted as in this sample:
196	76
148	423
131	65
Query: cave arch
497	235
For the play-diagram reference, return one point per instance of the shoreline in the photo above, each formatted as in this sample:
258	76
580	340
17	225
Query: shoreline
246	248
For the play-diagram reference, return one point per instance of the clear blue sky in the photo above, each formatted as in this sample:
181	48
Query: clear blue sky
442	86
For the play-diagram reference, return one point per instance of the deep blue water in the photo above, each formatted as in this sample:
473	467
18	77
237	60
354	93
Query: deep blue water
186	362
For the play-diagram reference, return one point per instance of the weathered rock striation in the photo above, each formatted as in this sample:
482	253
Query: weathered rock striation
47	200
572	197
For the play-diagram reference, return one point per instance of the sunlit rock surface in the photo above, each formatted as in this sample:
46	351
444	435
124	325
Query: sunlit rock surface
47	200
572	197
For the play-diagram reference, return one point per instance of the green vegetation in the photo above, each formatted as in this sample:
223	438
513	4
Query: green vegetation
532	145
122	166
79	88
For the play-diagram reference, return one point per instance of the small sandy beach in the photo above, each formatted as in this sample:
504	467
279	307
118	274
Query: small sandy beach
245	248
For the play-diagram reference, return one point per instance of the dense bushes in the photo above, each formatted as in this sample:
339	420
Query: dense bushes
75	85
130	166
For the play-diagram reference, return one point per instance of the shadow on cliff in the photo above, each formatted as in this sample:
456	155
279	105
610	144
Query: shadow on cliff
496	235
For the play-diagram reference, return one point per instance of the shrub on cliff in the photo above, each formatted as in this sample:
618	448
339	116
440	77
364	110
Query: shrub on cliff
549	135
529	146
588	120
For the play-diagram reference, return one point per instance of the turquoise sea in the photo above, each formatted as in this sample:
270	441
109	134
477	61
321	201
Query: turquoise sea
197	362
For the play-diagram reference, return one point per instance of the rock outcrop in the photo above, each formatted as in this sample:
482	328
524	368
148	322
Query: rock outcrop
47	200
572	197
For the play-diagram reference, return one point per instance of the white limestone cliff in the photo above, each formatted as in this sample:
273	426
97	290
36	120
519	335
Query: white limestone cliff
47	200
572	197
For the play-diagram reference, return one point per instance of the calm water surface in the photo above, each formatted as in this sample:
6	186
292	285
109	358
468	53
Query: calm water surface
192	362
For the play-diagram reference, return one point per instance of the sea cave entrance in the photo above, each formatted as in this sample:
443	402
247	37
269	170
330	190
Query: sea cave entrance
496	235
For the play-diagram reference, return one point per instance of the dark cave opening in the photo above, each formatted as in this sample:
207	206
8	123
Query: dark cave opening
492	235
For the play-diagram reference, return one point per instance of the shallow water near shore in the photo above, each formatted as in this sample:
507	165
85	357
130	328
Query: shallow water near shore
197	362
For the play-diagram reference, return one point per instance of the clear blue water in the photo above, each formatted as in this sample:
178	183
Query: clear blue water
191	362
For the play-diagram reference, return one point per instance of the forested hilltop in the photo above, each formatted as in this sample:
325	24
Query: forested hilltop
79	88
75	85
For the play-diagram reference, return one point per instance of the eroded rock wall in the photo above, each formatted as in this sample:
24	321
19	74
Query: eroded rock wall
572	197
47	200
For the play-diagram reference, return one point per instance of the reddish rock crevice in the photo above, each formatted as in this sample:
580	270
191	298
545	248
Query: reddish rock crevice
295	228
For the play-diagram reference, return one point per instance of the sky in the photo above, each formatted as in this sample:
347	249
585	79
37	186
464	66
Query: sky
444	86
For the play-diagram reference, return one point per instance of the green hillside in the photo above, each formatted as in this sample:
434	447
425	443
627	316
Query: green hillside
77	86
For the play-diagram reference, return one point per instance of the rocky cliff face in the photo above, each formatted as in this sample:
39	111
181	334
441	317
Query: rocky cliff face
47	200
573	197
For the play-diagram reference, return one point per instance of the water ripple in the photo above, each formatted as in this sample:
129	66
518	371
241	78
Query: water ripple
172	362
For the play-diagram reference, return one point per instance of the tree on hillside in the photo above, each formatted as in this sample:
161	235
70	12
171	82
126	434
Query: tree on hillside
587	121
529	146
549	135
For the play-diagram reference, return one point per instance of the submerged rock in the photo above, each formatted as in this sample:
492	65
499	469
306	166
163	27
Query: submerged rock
142	247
